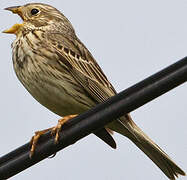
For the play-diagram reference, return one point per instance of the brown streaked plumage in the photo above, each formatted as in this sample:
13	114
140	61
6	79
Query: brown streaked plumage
60	73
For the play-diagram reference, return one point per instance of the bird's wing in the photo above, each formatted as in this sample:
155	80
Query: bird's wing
83	67
80	63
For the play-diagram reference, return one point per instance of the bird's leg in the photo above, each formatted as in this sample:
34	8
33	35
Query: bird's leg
54	130
35	139
57	128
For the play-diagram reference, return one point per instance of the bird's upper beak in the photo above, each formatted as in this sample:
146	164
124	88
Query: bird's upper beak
16	10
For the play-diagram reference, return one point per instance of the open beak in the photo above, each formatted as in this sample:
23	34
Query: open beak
16	10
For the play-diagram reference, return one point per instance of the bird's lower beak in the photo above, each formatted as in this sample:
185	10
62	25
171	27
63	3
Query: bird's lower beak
14	29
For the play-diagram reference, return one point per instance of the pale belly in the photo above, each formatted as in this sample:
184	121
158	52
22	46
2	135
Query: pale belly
57	99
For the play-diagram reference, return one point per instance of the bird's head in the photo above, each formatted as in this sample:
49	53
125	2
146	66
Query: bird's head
38	16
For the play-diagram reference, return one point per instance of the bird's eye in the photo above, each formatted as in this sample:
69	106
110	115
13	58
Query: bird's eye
34	11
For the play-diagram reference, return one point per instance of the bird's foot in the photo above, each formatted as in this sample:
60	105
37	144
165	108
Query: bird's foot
35	139
55	131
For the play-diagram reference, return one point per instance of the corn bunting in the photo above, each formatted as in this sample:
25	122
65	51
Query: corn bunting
60	73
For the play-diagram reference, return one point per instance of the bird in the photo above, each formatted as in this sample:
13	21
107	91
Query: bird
61	74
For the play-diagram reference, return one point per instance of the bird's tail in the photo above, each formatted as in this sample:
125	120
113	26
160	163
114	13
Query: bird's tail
127	127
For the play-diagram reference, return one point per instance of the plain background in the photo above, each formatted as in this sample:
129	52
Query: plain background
130	40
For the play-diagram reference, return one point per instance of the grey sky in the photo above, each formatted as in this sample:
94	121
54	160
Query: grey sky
130	40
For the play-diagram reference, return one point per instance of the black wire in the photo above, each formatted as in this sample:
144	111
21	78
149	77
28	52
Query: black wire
79	127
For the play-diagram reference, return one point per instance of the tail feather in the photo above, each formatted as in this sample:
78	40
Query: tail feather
127	127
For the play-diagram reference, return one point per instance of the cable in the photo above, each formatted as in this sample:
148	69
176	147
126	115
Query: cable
94	119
